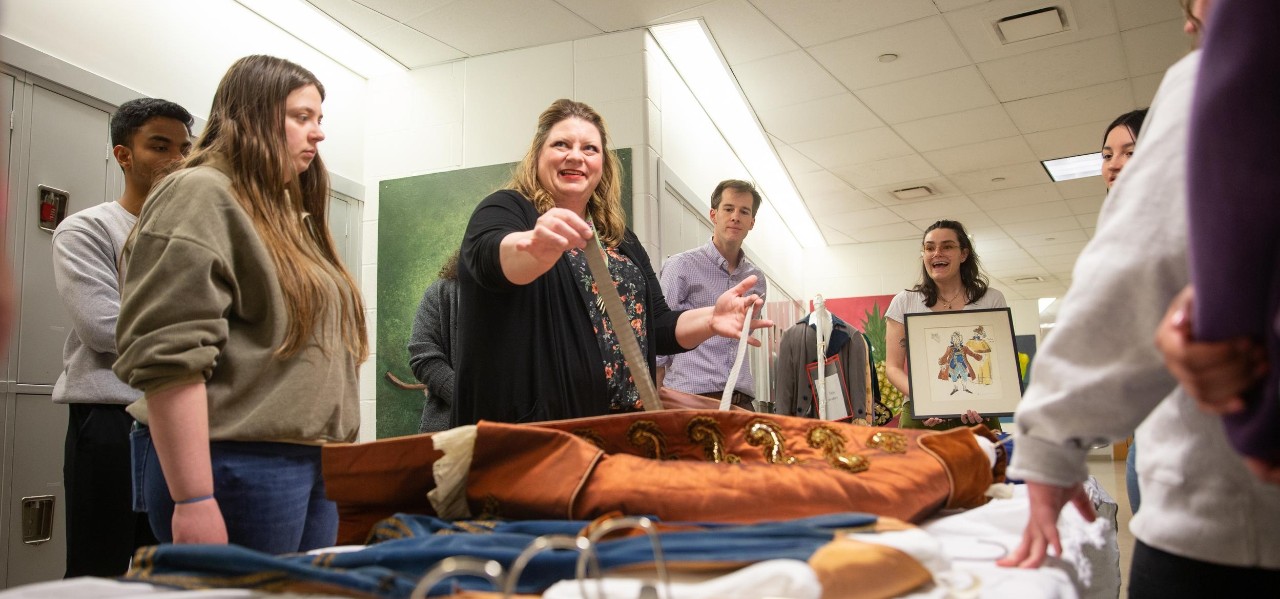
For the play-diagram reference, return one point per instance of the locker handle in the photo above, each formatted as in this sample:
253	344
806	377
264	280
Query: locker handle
51	207
37	519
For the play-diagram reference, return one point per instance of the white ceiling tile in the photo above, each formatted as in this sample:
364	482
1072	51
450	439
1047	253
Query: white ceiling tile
1080	188
403	10
486	26
1047	225
887	232
987	233
986	244
834	237
970	220
1018	196
1051	243
1068	141
1144	88
993	256
616	15
1086	205
816	119
794	160
862	219
923	47
814	22
949	5
888	171
1058	263
1154	48
353	15
1089	104
854	148
979	156
1137	13
1088	220
1060	249
977	30
1056	69
785	79
1021	214
411	47
957	129
931	95
1003	177
934	210
741	32
837	201
942	188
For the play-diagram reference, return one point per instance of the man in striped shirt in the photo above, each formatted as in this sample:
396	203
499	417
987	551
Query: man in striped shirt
696	278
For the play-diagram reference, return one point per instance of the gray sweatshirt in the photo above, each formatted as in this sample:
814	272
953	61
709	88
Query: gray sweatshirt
86	252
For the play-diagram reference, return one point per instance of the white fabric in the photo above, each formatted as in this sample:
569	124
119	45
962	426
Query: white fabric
449	498
774	578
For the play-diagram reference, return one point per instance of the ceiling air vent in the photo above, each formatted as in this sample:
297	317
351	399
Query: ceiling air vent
1031	24
1029	280
913	193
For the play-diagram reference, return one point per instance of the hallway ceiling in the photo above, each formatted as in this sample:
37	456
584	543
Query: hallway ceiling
958	111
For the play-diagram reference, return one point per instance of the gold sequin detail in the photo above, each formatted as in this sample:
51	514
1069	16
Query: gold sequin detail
592	436
705	431
888	441
860	422
768	435
648	438
831	442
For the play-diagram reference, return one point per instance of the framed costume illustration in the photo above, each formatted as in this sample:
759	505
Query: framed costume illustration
958	361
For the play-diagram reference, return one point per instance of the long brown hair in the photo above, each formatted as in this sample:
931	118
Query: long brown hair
975	283
605	205
289	211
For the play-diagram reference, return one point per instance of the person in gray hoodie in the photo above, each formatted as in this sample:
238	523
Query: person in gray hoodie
147	135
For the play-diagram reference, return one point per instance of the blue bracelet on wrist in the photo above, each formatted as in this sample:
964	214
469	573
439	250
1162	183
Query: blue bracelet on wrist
194	500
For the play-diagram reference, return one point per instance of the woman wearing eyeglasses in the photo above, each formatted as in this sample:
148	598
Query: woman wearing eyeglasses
950	280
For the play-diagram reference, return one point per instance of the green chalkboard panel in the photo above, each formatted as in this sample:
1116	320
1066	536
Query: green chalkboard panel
421	220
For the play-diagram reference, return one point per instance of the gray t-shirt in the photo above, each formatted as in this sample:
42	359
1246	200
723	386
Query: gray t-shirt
912	302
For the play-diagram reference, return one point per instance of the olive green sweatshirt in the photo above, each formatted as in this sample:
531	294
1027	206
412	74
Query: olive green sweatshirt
201	302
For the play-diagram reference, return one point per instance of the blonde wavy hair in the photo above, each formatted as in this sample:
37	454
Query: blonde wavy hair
289	210
605	205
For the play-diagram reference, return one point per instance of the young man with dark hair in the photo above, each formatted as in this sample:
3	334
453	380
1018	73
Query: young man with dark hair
103	531
696	278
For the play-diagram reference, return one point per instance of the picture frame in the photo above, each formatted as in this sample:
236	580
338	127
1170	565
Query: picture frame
945	376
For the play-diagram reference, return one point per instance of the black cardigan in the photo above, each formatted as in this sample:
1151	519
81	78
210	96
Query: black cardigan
529	352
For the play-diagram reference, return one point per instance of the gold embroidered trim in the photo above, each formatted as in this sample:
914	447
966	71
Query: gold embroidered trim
705	431
888	442
592	436
491	508
767	434
648	438
831	442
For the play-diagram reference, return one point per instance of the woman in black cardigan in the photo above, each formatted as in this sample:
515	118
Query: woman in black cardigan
533	341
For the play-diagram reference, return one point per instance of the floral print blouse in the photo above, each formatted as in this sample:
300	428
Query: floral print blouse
628	279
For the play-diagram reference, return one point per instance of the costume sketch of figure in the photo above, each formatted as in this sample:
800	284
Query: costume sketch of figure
955	363
979	344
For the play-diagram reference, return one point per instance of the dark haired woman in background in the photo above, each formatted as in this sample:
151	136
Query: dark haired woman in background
950	279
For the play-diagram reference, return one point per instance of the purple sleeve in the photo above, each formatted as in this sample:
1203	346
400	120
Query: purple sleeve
1233	208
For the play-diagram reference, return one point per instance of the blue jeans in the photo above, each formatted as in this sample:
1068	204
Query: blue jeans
1131	477
271	494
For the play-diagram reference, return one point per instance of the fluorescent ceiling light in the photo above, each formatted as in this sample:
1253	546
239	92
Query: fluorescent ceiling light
1074	167
316	29
689	48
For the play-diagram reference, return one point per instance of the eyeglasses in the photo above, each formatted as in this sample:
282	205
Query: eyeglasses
945	247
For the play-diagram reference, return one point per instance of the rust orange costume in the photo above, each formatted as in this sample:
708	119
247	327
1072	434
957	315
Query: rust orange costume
673	464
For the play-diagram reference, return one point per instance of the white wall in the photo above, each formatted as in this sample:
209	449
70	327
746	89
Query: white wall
179	50
685	139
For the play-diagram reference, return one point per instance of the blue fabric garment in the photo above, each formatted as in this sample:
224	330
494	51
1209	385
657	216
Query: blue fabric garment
271	494
405	547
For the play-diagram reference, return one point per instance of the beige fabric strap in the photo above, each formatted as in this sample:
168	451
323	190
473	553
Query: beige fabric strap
621	328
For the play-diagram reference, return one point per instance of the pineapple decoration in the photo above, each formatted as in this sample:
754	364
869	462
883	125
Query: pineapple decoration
890	398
